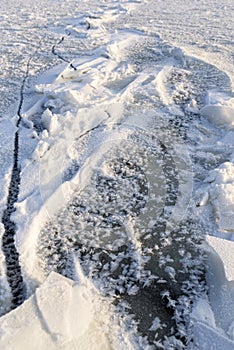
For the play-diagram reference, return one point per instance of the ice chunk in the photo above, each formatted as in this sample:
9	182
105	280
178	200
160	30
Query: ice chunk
221	290
202	312
219	115
49	121
60	315
222	195
225	250
215	97
206	338
41	149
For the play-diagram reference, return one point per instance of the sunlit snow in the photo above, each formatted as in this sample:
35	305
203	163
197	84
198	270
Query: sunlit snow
117	175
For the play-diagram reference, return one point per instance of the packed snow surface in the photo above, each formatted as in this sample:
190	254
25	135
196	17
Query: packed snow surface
120	117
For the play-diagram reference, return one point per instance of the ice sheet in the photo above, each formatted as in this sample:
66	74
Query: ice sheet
122	62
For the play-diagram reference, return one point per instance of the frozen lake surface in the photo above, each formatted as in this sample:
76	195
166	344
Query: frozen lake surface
117	175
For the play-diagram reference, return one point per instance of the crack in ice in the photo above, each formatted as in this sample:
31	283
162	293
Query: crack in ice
13	268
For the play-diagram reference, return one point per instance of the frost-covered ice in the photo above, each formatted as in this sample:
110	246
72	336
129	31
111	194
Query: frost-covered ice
126	152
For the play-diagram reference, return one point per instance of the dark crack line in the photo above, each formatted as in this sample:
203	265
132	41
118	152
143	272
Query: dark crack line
54	52
22	90
101	124
13	268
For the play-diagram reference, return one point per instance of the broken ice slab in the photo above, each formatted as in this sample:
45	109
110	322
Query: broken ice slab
206	338
225	249
60	315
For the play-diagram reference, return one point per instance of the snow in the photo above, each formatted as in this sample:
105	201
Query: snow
126	141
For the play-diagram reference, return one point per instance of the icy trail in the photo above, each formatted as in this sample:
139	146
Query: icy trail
125	153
